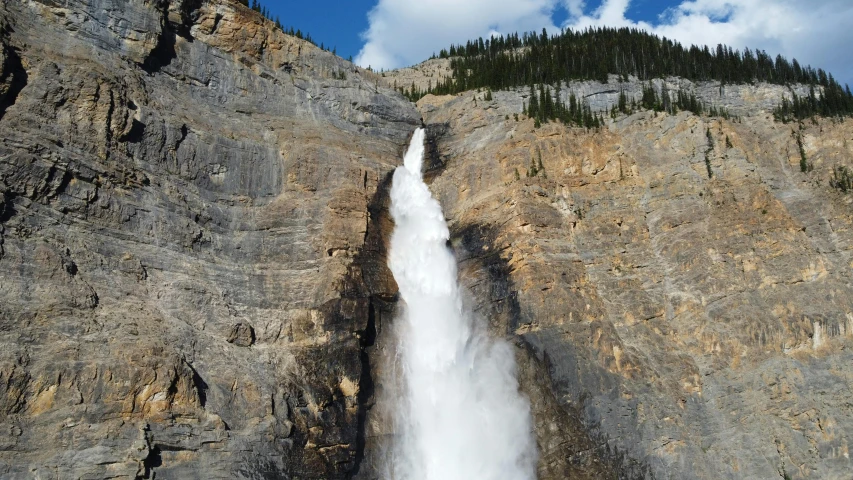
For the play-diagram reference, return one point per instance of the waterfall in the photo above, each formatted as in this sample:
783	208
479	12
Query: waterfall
459	414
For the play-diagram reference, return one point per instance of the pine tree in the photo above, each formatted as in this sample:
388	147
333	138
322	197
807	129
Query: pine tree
539	166
547	105
533	105
805	166
650	99
665	100
708	152
623	102
540	112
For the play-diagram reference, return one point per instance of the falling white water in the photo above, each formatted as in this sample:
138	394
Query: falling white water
460	415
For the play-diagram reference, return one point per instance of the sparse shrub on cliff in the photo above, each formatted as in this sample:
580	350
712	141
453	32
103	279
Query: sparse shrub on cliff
536	168
830	101
842	179
708	152
672	103
649	100
622	104
544	107
414	93
531	170
805	166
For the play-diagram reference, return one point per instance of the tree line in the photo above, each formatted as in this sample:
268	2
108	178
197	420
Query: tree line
504	62
593	53
264	11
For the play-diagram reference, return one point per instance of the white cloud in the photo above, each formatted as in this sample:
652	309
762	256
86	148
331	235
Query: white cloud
405	32
574	7
816	32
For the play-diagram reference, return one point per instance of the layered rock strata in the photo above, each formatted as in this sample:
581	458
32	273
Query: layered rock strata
187	266
702	325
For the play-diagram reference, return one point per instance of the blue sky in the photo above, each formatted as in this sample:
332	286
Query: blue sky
342	23
394	33
336	24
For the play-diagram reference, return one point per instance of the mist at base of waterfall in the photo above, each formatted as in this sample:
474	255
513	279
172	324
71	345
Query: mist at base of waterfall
458	412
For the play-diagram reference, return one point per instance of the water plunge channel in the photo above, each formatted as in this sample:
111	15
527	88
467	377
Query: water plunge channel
459	414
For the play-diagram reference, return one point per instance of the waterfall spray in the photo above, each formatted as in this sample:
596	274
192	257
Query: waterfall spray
460	414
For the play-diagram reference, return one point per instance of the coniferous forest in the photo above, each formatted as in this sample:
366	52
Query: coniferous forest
530	59
593	54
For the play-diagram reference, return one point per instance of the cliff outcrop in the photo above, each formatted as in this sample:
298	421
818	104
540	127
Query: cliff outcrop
700	322
187	265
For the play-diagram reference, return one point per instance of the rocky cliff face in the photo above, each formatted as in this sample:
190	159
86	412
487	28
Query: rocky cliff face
701	325
192	278
187	265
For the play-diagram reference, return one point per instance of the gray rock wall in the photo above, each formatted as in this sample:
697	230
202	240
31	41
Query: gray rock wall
184	214
738	100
